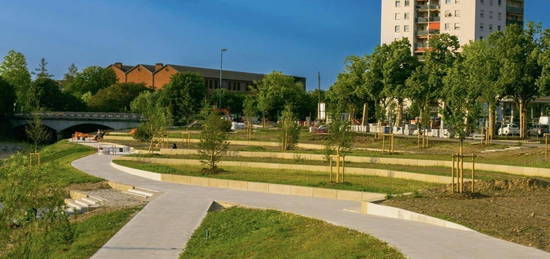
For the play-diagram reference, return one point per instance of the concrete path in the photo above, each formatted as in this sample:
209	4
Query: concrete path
163	227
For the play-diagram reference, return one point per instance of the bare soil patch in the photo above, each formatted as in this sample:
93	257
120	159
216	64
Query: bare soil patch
516	210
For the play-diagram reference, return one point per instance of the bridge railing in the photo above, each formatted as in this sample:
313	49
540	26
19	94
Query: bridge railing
85	115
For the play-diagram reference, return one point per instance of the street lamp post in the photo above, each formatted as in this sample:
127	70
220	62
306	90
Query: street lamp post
221	75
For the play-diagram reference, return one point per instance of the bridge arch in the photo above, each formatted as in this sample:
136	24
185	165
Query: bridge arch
84	127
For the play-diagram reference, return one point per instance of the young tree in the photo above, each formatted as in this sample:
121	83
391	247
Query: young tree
156	118
91	79
14	70
544	61
517	51
373	76
276	90
36	132
183	96
340	138
213	140
42	70
230	100
32	221
290	130
116	98
250	111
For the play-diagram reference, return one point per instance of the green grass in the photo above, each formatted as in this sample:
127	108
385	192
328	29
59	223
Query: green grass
62	154
431	170
93	232
292	177
248	233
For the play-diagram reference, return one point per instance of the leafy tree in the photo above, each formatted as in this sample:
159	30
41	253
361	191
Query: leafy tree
7	98
91	79
276	90
346	91
14	70
183	96
290	130
32	222
373	76
462	108
396	69
544	61
517	53
71	74
481	70
340	137
42	71
156	118
425	85
230	100
116	98
213	140
46	94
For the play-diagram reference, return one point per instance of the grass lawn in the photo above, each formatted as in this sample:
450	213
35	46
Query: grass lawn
249	233
432	170
292	177
93	232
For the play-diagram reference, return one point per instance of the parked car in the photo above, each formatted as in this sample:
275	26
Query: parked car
508	129
538	130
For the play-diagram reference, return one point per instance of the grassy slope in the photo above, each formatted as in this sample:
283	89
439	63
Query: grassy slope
248	233
62	154
302	178
94	232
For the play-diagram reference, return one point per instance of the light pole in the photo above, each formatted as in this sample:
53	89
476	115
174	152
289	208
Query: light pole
221	74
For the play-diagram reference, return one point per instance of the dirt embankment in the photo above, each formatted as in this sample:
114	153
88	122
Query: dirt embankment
517	210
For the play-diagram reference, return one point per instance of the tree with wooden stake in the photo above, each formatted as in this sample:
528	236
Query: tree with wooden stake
338	144
391	143
37	133
250	111
290	130
461	113
213	140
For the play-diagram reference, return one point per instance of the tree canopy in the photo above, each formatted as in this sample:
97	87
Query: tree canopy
116	98
91	79
14	70
184	96
276	90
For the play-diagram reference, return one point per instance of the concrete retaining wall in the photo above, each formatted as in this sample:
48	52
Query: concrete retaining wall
310	168
392	212
517	170
258	187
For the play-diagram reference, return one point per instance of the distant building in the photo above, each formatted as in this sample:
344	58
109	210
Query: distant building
158	75
469	20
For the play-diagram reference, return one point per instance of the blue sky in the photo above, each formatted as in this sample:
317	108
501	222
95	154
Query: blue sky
298	37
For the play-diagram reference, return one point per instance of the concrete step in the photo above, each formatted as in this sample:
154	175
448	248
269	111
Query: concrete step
97	198
146	190
141	192
82	203
131	192
90	203
75	206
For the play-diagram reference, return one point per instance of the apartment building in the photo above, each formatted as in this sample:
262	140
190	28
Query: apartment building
469	20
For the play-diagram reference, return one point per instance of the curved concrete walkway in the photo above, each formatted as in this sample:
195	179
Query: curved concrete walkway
163	227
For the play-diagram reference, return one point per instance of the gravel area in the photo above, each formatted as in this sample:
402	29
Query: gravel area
116	198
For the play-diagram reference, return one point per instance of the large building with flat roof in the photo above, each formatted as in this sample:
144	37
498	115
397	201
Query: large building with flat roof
469	20
158	75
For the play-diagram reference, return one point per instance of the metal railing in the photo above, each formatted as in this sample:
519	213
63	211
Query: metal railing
85	116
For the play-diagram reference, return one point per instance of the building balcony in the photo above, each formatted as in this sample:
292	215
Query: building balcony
515	10
421	33
426	19
427	7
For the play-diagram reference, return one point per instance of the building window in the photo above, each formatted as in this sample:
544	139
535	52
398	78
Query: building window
499	2
396	28
457	13
406	16
447	26
491	2
499	27
481	26
457	26
407	2
490	27
448	1
448	13
397	3
490	14
397	16
481	13
482	1
457	1
406	28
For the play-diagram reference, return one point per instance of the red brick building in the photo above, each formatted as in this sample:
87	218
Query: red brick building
158	75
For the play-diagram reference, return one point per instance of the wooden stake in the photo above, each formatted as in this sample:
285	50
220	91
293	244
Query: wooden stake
473	171
453	174
330	164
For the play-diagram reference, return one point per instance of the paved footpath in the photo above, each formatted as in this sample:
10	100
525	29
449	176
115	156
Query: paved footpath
163	227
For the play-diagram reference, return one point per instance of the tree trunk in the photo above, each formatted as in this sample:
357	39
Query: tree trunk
399	116
491	123
365	114
522	120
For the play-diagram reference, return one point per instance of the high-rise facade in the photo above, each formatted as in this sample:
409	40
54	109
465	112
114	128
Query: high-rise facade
469	20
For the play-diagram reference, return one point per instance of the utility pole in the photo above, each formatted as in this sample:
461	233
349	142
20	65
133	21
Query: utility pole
221	75
319	92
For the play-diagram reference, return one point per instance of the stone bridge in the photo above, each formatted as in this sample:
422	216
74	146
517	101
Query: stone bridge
65	123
